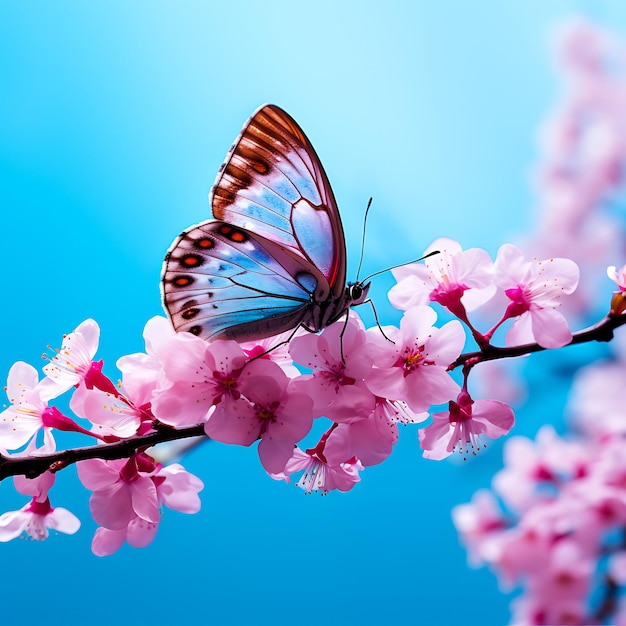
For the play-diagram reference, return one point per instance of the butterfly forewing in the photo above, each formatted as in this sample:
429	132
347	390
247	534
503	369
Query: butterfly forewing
273	183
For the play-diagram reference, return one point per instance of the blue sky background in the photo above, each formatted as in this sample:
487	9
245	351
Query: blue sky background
114	118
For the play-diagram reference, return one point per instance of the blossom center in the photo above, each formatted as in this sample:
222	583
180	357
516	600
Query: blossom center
226	384
266	413
519	301
412	359
337	377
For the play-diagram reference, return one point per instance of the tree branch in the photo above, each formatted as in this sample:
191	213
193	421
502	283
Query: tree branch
33	466
601	331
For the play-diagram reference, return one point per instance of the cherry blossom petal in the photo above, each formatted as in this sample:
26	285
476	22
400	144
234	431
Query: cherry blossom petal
13	524
63	521
144	498
492	418
182	358
435	439
521	331
21	376
617	276
96	474
72	362
157	332
430	385
141	533
417	322
550	328
112	506
108	414
370	440
180	489
445	345
274	453
233	421
294	416
106	542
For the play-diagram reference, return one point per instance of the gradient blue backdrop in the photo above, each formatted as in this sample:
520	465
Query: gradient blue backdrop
114	118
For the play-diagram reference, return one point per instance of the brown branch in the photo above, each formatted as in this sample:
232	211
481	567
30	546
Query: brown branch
33	466
601	331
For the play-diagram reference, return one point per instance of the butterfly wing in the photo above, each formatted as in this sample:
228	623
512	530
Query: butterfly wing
273	183
275	255
223	282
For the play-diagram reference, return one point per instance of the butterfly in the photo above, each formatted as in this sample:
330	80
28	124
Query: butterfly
274	257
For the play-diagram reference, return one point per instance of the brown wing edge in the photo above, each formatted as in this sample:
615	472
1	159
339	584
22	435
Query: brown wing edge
270	117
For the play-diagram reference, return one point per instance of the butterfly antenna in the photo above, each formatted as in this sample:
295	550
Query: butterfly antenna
393	267
367	210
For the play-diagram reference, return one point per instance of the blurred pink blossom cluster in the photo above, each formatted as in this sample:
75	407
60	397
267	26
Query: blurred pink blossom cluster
554	522
361	382
580	177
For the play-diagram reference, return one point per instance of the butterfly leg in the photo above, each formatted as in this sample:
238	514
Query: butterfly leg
283	342
341	334
382	332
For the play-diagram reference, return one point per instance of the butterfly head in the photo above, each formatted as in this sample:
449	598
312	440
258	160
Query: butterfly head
356	293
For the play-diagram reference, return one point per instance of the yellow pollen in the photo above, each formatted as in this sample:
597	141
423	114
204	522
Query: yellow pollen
413	358
265	414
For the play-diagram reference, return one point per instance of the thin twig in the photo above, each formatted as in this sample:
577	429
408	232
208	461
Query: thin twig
601	331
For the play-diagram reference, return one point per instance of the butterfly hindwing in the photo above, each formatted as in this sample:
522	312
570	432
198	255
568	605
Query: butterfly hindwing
220	281
273	183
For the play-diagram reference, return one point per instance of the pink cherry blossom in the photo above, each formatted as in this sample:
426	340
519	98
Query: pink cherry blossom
530	465
127	495
112	415
535	289
138	533
196	376
413	367
320	474
581	47
142	371
176	488
524	469
557	592
277	411
24	418
121	490
462	426
371	440
29	411
595	401
73	362
481	525
340	361
461	280
34	519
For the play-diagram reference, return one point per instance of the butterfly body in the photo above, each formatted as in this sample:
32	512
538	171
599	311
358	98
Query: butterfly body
274	256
